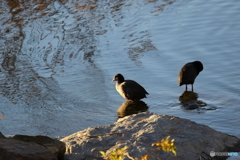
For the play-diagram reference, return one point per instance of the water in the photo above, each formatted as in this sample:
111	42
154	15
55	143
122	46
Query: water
59	57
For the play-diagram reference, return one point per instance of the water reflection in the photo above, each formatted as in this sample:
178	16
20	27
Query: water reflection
9	62
55	57
190	100
131	107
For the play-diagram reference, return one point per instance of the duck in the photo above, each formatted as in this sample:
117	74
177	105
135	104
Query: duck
189	72
129	89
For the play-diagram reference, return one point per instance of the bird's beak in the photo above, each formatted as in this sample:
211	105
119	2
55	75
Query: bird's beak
113	79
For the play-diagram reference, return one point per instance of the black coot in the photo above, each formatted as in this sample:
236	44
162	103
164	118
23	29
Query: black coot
129	89
189	72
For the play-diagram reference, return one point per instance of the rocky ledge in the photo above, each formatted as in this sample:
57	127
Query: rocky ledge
23	147
138	132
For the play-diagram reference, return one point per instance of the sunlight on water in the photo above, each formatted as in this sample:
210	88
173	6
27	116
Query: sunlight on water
58	59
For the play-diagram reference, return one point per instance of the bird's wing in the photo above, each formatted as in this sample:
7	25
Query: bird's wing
134	90
187	74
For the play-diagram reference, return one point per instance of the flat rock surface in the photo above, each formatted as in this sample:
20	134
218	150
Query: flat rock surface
140	131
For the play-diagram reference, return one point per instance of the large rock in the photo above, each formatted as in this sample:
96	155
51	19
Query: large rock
12	149
139	132
1	135
31	148
55	146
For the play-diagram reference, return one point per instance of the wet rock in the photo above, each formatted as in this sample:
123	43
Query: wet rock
12	149
190	100
55	146
31	148
1	135
131	107
188	96
140	131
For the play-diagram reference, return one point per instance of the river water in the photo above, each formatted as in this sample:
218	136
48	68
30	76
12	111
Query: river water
58	59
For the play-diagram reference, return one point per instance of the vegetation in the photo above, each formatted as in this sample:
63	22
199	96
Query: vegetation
165	144
117	154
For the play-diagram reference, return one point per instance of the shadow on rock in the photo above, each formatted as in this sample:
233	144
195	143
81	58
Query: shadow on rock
131	107
190	100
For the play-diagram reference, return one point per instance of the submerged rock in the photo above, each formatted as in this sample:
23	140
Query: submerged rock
190	100
140	131
31	148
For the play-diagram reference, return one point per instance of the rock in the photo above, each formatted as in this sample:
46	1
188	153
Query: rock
12	149
188	96
131	107
55	146
1	135
190	100
31	148
140	131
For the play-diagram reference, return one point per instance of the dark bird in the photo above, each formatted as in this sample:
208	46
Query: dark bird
129	89
189	72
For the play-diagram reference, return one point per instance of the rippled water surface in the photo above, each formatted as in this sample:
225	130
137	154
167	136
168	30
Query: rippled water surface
58	59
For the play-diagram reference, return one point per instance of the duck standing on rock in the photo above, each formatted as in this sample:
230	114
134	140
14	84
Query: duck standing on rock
189	72
129	89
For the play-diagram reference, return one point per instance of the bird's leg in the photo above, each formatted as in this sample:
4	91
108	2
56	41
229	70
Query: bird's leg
192	87
186	88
